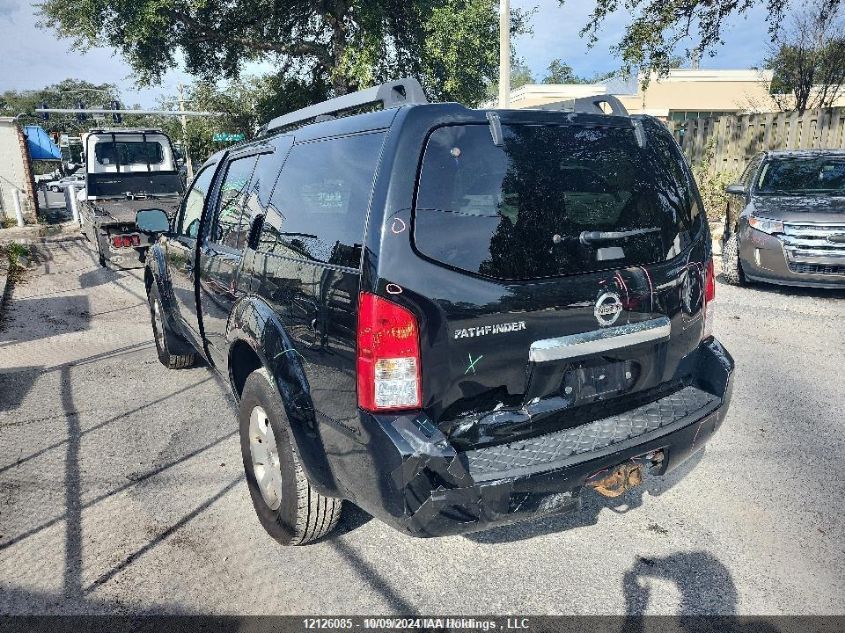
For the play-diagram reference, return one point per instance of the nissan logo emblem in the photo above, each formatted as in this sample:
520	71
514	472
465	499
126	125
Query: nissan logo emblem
608	308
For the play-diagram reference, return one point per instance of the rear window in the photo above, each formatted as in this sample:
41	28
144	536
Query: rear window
129	153
554	200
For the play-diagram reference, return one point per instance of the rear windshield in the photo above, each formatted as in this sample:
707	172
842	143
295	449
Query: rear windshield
129	153
554	200
803	175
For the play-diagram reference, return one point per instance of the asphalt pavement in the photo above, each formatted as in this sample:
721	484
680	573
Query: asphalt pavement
121	486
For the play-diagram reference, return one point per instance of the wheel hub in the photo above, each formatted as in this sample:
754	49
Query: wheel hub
264	452
159	325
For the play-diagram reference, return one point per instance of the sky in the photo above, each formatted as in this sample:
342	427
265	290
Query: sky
33	58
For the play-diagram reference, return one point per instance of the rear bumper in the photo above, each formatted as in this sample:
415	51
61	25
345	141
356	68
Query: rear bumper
418	483
764	259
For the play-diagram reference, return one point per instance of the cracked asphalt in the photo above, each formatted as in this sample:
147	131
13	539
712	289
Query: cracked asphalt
121	486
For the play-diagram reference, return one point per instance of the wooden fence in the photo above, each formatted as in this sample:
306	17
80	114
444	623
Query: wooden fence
735	139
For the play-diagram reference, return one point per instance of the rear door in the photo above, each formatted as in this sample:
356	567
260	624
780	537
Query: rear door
221	252
571	265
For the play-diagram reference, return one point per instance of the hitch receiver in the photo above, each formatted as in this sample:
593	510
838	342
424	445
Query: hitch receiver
613	482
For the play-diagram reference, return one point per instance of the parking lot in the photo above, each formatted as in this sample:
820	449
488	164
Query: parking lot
121	485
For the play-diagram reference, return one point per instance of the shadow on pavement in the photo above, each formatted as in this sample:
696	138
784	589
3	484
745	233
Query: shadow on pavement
47	316
790	291
592	505
14	385
705	586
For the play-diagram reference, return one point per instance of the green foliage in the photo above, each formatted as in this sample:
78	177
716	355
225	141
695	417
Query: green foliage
64	94
658	27
14	252
559	72
450	45
712	184
809	60
244	106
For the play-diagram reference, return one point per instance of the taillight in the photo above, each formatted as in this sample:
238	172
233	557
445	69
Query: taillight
709	296
388	356
126	241
710	282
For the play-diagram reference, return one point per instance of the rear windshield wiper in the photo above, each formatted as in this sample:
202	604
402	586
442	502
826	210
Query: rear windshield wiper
588	237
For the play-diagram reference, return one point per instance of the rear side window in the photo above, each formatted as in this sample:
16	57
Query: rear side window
319	205
554	200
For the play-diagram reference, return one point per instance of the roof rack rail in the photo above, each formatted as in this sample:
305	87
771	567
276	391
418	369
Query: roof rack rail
390	95
589	105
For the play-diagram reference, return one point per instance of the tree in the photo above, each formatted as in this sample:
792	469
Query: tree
65	94
559	72
809	60
450	45
658	27
244	105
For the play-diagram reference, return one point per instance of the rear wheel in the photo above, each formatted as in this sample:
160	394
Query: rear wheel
288	507
731	266
160	330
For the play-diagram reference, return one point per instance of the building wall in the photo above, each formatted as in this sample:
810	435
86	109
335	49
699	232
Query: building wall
15	171
683	94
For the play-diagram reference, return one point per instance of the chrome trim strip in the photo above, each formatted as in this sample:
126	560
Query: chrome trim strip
597	341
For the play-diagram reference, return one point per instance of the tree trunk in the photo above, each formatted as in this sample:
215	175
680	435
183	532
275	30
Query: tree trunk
341	84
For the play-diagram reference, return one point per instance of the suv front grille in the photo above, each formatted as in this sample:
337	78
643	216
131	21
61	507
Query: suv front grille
816	269
811	246
608	435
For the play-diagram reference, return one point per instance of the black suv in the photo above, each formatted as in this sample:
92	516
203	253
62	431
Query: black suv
453	318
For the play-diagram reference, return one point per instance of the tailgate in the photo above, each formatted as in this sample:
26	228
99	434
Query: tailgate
572	273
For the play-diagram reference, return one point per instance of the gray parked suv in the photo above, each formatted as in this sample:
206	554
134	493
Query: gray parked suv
786	220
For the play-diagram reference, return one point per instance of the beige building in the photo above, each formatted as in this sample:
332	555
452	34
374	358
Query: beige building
15	171
683	94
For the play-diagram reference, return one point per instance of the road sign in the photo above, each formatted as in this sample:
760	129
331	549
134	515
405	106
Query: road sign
228	137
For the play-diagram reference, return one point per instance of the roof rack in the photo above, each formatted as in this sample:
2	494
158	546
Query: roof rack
390	95
589	105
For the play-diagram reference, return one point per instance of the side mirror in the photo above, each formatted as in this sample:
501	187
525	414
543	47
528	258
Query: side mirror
180	161
736	189
152	221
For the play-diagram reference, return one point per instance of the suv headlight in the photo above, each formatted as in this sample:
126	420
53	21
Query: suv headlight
766	225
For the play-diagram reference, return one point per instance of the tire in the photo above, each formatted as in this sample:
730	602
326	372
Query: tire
731	266
160	331
288	507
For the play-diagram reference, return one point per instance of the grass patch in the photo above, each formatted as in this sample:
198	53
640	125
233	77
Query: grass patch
13	252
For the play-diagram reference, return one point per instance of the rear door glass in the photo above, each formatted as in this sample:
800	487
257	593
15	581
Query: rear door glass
554	200
319	205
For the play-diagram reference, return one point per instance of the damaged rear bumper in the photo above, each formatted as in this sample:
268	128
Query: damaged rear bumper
424	487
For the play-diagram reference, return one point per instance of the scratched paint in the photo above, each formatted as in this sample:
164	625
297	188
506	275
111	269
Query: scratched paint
398	225
472	363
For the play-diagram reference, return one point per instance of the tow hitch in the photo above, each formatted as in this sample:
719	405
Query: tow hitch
613	482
